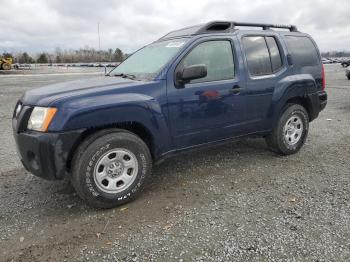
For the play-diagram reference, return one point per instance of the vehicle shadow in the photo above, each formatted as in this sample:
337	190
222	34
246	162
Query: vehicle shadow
209	162
57	198
216	152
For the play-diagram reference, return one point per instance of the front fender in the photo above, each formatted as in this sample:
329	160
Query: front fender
106	110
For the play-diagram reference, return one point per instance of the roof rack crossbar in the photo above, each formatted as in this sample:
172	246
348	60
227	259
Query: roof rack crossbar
291	28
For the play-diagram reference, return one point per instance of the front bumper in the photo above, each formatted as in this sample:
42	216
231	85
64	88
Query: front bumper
45	155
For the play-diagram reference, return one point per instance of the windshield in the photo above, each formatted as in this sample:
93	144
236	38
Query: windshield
149	60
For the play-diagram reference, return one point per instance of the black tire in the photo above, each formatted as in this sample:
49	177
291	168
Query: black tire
348	77
6	66
277	141
90	152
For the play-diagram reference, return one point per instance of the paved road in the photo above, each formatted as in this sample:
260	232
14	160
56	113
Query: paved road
235	202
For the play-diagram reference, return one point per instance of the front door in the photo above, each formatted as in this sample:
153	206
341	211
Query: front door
210	108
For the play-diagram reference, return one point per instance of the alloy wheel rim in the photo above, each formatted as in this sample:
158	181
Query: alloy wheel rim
293	130
115	170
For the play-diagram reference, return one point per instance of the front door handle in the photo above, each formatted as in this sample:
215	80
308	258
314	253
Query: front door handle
236	89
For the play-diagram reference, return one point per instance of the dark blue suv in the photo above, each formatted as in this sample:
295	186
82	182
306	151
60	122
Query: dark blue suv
193	87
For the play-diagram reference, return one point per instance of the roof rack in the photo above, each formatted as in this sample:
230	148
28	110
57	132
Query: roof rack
222	27
230	26
291	28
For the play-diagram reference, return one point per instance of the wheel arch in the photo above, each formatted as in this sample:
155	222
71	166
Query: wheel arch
304	102
298	89
93	133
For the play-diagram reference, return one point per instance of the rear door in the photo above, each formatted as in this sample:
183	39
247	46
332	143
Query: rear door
265	65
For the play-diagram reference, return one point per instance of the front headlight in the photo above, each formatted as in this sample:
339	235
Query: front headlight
41	118
18	109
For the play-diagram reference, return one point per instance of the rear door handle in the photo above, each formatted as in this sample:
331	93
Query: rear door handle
236	89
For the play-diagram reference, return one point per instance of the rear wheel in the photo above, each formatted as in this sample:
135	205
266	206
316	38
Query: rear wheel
290	133
109	168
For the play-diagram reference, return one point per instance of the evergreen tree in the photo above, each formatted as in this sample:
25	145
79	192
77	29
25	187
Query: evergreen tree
118	55
25	58
42	59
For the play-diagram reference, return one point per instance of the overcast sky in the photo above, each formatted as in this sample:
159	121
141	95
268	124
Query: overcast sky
43	25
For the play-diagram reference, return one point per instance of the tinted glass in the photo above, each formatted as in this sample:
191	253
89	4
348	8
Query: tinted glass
148	61
276	60
303	51
257	55
218	58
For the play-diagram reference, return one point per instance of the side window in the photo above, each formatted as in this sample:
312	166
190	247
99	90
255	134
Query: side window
218	58
263	55
276	60
303	51
258	57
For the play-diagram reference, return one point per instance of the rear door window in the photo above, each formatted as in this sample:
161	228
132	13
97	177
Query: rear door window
303	51
276	60
257	54
262	54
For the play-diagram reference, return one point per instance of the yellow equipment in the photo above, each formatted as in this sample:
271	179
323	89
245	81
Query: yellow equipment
5	63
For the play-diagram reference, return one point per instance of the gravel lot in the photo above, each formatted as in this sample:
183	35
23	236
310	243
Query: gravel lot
237	202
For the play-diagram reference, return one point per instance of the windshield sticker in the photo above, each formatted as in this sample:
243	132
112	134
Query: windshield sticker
175	44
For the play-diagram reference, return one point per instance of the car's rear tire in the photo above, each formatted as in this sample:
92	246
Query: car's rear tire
348	77
109	168
291	130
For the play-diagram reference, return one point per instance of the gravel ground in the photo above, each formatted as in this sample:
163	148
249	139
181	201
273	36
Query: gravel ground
236	202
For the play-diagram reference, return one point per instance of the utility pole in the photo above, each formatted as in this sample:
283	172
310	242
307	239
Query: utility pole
99	39
99	42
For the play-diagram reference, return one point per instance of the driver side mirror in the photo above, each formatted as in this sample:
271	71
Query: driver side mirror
190	73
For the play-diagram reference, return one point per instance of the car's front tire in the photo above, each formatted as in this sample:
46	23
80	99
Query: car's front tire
291	130
110	168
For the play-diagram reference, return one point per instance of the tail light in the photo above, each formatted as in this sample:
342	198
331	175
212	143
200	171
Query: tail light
323	79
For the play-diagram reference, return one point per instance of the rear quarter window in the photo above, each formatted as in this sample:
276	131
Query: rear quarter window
302	50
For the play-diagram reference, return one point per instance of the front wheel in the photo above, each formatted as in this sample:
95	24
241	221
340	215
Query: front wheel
110	168
6	66
290	133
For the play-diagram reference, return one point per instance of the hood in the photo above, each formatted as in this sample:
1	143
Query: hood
45	95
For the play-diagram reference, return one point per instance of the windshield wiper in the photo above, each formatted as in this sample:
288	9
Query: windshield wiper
123	75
